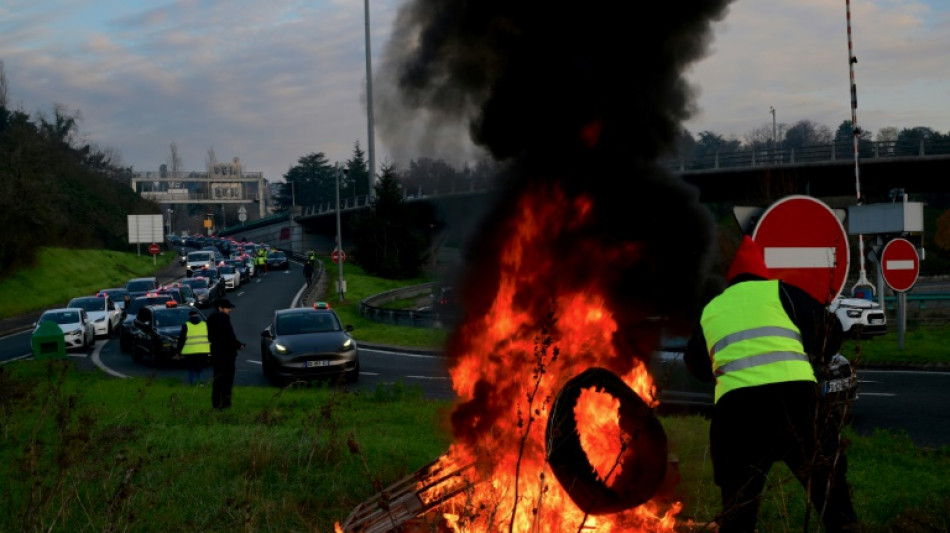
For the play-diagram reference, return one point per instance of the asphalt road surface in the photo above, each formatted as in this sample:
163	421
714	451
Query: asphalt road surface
255	303
915	402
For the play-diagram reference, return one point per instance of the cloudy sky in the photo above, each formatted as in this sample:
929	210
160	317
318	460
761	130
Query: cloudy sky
269	82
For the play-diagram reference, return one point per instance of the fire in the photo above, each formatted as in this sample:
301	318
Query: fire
545	325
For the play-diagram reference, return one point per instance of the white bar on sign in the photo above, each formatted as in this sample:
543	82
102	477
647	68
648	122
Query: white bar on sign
799	257
899	264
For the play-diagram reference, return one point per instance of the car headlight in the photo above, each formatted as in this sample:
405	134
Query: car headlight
169	342
280	348
76	331
101	319
853	313
347	344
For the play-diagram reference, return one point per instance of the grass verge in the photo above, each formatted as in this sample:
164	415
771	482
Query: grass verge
922	345
361	285
62	274
83	452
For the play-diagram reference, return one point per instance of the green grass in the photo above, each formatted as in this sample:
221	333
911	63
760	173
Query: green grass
922	344
360	285
63	274
80	451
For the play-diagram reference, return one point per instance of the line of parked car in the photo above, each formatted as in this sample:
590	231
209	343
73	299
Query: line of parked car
297	344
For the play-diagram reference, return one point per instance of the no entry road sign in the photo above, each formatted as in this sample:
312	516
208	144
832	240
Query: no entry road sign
805	245
337	256
154	249
900	264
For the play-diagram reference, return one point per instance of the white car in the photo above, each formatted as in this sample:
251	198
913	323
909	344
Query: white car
102	311
77	329
859	317
230	276
198	260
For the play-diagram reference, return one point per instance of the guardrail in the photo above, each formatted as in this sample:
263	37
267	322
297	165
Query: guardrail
819	153
372	308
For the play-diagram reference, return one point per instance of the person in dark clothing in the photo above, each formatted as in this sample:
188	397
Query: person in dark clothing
308	272
224	347
193	346
762	340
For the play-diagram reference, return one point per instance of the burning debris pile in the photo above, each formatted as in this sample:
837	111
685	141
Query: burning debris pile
590	246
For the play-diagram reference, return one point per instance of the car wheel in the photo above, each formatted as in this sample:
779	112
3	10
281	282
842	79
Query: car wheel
353	375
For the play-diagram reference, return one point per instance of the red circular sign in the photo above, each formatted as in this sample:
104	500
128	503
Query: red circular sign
900	264
154	249
805	245
338	256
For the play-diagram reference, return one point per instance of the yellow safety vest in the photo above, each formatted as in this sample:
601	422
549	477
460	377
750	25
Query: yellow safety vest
196	341
751	339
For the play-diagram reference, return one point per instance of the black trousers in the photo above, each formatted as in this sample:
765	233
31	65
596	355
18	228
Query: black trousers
754	427
223	382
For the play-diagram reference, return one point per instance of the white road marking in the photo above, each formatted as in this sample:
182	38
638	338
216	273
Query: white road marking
369	373
18	358
253	361
885	394
429	377
404	354
102	366
799	257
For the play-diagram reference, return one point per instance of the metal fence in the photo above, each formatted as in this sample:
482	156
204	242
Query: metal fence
820	153
373	307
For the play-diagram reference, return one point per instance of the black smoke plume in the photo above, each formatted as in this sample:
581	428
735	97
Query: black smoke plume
584	94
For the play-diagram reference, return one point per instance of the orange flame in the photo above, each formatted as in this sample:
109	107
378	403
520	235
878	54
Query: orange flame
541	329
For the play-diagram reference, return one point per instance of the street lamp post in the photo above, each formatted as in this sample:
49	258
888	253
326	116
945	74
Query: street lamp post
169	227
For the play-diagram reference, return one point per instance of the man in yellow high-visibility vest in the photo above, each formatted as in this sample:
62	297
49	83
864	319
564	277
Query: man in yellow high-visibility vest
759	340
194	346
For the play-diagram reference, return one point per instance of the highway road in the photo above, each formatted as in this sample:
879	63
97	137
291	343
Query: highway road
255	303
911	401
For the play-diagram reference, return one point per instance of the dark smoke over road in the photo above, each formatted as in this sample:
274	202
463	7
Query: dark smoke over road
586	95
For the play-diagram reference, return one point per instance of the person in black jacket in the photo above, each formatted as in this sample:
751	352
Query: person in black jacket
224	347
762	340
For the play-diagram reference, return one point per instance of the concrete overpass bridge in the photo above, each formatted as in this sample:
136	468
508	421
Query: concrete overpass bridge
755	178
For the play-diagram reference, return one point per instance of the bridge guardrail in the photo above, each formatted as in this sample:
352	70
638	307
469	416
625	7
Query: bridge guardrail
371	307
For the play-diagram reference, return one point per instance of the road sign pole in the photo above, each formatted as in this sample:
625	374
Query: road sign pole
340	288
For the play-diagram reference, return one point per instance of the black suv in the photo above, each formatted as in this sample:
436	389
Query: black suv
157	329
127	329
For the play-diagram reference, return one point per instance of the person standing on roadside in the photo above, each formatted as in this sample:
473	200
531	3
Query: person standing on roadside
760	341
308	272
224	348
194	346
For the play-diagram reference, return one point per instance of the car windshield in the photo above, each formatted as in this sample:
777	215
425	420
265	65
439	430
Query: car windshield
117	295
276	255
165	318
199	256
89	304
196	283
61	317
226	270
302	323
140	285
139	303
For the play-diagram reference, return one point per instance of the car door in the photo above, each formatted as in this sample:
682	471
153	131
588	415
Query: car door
114	313
87	324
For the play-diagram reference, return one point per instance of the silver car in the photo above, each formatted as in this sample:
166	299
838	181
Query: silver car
77	329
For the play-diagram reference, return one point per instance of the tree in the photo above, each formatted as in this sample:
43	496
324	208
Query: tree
807	133
392	238
709	144
311	182
357	174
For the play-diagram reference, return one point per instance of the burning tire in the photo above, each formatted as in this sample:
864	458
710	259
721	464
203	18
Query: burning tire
643	459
